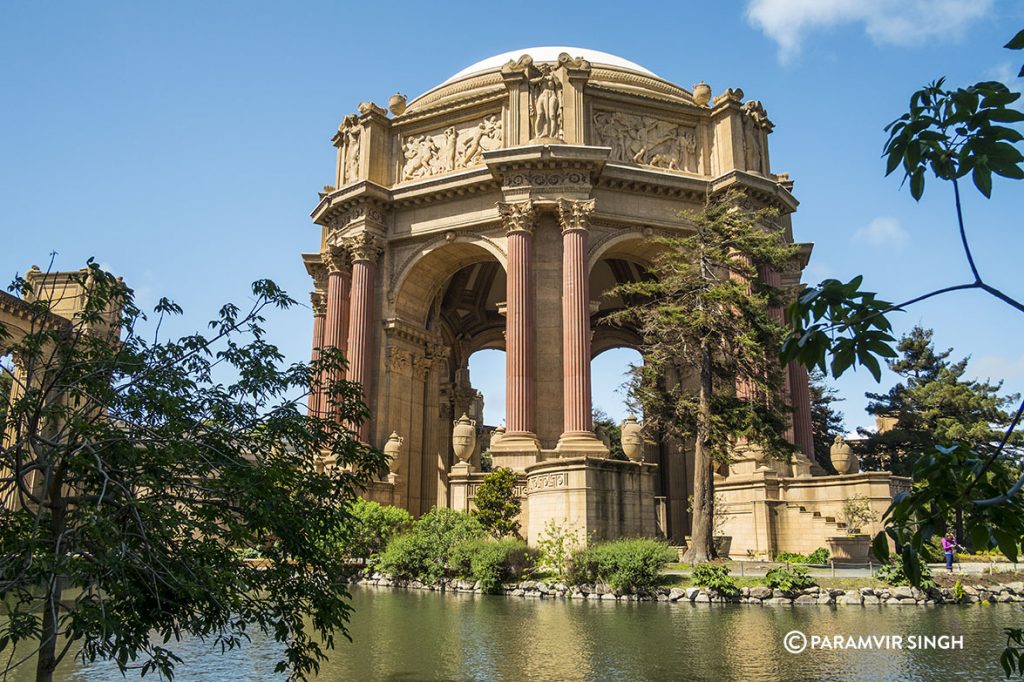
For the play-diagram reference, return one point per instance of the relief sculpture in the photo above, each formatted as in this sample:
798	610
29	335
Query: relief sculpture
453	148
755	127
646	140
546	103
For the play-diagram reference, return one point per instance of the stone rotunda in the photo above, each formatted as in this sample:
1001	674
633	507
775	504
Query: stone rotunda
496	211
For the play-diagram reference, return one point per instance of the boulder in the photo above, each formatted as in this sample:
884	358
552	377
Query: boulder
692	592
675	594
806	599
870	599
760	592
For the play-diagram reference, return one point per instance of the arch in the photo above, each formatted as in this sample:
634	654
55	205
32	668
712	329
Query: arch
487	375
420	278
608	376
634	244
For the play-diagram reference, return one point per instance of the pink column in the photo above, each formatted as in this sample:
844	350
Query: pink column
319	302
365	251
799	386
336	319
519	415
771	277
578	424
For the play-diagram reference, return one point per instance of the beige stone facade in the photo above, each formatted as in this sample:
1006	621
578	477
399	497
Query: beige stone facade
496	211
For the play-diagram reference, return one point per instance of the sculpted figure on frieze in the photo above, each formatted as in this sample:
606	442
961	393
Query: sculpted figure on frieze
454	147
546	103
646	140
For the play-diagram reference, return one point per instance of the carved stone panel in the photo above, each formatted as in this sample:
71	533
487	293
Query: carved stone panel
442	151
647	140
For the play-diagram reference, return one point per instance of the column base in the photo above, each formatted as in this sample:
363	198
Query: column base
517	441
577	443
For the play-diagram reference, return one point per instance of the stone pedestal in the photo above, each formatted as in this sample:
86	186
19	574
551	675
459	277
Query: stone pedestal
595	497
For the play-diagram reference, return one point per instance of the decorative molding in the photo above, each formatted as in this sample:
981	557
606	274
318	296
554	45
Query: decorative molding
318	299
337	259
364	246
517	216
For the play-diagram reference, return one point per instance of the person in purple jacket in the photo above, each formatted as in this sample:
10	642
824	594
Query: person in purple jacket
948	545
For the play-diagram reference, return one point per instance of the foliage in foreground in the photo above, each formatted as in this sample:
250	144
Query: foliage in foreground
633	564
497	506
714	577
555	548
137	479
893	573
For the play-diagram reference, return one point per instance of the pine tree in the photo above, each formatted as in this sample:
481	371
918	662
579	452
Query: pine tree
705	316
826	421
934	404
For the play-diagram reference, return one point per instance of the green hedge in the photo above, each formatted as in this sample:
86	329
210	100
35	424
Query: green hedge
632	565
789	578
371	527
492	562
714	578
426	552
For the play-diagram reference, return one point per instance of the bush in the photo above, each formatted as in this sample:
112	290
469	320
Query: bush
893	574
788	578
818	557
555	547
425	553
496	503
492	562
714	578
633	565
371	528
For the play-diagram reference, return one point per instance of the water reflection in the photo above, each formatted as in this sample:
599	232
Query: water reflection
413	635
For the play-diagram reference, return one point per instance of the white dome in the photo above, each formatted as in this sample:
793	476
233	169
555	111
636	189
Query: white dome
548	54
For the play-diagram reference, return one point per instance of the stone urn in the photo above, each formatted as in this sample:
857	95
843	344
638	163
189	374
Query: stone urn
464	437
496	436
632	439
393	449
843	458
701	94
397	104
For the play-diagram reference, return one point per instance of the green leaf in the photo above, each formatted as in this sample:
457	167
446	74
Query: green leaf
880	546
1017	42
982	177
917	184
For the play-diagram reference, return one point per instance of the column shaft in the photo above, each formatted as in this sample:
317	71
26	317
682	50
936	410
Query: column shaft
576	333
519	336
360	334
315	392
335	324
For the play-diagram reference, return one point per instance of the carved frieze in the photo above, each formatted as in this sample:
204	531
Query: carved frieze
646	140
454	147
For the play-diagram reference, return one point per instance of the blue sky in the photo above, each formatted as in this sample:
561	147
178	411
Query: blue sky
182	144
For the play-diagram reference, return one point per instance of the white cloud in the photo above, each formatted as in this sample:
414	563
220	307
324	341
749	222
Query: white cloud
882	232
1004	73
888	22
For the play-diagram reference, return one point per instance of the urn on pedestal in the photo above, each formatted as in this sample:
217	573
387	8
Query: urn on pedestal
393	449
843	457
464	437
632	439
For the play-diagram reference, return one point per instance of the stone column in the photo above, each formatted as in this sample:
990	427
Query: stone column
800	391
518	218
335	329
365	250
578	434
318	299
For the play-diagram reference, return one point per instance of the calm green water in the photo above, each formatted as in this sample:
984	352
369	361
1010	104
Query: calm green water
413	635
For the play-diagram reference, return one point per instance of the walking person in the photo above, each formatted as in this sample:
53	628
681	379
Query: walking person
948	546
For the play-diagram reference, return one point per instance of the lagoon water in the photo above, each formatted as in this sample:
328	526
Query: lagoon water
414	635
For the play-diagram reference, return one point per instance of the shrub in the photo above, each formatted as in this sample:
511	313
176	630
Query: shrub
425	552
496	503
630	565
492	562
555	547
818	557
893	574
788	578
714	578
372	527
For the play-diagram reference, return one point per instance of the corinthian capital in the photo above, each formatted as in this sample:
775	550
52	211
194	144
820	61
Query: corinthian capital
318	299
575	215
517	216
364	247
336	258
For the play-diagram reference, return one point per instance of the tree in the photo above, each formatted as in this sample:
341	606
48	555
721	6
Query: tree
138	472
949	134
826	421
706	315
497	504
933	404
605	425
6	381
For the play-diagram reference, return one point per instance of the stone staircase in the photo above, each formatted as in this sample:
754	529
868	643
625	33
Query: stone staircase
801	530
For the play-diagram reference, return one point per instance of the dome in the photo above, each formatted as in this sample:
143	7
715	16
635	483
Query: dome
549	54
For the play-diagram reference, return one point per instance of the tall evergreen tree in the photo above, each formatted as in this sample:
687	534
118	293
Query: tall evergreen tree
826	421
933	403
706	318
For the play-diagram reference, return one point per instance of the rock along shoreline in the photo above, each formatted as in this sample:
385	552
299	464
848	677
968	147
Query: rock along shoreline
865	596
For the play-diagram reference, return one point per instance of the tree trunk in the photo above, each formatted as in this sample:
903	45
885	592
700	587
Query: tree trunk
702	546
48	658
